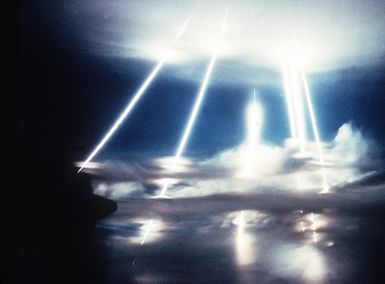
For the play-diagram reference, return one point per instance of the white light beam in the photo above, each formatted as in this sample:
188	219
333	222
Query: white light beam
325	188
298	108
148	227
195	110
133	101
289	101
192	119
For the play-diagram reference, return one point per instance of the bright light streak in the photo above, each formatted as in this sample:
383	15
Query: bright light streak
254	121
297	92
192	118
125	113
289	102
191	121
133	102
195	110
181	30
243	242
325	188
254	117
148	227
298	108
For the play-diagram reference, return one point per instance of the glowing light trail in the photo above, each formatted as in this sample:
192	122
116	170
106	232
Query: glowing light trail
133	101
191	120
147	231
299	110
296	93
325	188
289	102
125	113
254	121
195	110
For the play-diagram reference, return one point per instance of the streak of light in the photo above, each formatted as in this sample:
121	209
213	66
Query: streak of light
181	30
125	113
149	230
254	121
148	227
194	113
133	101
289	102
325	188
192	118
243	242
297	91
298	108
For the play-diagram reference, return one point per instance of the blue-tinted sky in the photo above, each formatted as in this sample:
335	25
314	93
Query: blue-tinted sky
101	52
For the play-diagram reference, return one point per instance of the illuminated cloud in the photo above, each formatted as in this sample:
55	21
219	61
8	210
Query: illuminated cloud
276	168
331	33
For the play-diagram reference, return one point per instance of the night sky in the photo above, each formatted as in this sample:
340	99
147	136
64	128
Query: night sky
80	63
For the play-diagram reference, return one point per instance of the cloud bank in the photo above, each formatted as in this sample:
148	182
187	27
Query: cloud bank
349	158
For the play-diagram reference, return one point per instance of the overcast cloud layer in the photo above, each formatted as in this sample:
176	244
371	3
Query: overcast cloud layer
331	34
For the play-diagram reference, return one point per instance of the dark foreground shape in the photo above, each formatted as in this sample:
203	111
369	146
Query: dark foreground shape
56	227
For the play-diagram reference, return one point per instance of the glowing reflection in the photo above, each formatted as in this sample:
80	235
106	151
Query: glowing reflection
312	223
243	242
149	231
313	227
306	261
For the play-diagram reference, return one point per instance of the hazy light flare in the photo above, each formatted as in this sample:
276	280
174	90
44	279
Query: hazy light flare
254	121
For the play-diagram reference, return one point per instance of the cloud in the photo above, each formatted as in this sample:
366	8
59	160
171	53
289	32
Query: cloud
330	33
348	159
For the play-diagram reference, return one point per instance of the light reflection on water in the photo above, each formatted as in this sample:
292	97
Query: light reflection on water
150	230
237	246
244	242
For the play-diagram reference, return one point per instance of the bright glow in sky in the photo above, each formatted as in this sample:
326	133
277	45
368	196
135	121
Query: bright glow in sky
330	33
